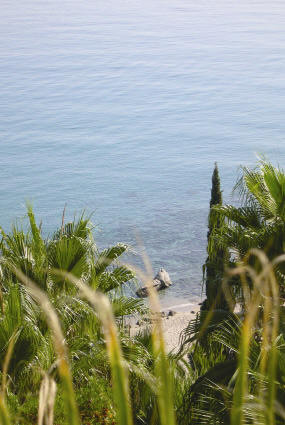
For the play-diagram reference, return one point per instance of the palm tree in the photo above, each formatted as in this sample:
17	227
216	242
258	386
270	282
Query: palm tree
260	220
208	400
48	262
258	223
71	249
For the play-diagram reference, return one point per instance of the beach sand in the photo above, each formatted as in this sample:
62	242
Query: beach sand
172	325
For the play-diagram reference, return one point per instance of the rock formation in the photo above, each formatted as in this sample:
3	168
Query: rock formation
160	281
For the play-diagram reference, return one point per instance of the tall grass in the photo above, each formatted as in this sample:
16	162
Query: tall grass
262	297
47	395
119	372
162	366
63	367
4	414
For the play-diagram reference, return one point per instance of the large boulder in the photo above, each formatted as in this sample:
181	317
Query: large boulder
160	281
163	278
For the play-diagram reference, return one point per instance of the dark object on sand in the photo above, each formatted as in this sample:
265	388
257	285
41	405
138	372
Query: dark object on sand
160	281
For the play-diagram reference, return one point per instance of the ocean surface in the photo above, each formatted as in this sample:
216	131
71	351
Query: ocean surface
121	108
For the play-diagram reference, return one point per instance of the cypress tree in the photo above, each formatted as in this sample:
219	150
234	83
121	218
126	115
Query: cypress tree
216	194
214	265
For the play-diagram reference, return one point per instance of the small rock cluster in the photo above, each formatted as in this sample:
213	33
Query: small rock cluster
160	281
163	314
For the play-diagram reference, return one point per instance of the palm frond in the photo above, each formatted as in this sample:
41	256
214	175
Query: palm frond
109	280
123	306
107	256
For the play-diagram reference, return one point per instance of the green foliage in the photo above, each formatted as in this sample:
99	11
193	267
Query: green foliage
216	194
213	268
237	360
260	221
45	261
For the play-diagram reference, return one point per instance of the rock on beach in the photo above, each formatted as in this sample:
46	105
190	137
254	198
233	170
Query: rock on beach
160	281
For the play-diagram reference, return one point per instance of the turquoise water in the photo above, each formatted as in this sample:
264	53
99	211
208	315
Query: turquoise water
122	107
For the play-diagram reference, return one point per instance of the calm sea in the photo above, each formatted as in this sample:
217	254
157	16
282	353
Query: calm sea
122	108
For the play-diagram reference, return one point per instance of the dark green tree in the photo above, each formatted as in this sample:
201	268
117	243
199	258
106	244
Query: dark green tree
216	194
214	265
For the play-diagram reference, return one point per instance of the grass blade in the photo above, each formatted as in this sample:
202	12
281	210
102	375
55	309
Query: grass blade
162	366
46	401
4	415
119	373
72	413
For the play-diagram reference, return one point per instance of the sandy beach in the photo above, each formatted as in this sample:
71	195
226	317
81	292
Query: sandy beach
173	325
